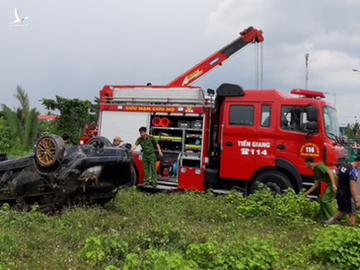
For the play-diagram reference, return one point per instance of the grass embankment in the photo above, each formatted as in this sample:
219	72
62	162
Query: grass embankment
179	231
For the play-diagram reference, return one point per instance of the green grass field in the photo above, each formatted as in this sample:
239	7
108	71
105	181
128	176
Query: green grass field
179	230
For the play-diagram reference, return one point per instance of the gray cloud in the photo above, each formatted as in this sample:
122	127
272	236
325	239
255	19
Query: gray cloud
327	30
73	48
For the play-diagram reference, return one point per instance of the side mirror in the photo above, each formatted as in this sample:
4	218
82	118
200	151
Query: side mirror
311	126
311	114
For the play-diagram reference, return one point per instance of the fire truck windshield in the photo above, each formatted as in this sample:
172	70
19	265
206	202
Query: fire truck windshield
331	123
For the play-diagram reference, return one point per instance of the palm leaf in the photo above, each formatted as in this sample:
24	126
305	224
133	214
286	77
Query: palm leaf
23	98
31	125
23	122
14	123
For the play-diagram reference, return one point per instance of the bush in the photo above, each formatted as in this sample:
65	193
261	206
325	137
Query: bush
5	136
336	245
160	259
251	253
99	248
288	208
295	208
8	144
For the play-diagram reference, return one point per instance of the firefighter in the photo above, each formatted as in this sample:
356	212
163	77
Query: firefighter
148	144
324	174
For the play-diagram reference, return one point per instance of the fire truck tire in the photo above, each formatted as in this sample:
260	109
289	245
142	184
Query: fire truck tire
49	151
99	142
276	181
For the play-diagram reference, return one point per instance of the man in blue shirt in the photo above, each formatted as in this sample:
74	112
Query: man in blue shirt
346	194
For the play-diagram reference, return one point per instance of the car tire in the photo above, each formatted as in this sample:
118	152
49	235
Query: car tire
275	180
133	177
49	151
99	142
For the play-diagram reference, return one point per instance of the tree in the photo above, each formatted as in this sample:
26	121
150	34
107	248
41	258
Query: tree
6	141
74	114
349	133
355	130
23	121
352	132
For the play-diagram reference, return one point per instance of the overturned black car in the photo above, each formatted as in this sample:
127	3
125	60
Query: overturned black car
56	175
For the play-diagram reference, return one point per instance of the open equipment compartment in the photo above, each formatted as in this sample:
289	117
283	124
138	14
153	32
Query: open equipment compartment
180	138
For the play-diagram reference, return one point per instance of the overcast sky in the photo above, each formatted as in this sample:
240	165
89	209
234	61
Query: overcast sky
74	48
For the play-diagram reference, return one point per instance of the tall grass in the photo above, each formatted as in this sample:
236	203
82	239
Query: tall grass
178	230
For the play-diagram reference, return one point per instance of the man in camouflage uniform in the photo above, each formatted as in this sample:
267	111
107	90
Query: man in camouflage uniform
148	144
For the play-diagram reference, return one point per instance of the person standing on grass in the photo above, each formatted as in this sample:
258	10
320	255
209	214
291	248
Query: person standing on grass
148	144
346	194
324	174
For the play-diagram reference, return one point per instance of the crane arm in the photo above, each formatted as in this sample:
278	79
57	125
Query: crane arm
247	36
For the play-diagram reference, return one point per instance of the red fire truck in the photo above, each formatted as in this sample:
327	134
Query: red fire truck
233	139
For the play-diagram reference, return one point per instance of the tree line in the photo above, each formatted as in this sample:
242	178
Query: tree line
20	127
352	132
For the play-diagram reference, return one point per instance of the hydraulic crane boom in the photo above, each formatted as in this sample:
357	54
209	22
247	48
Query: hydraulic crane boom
247	36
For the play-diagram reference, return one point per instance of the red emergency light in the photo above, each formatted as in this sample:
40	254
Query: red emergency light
308	93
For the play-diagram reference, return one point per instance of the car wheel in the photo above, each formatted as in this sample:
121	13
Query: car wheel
133	178
276	181
99	142
49	151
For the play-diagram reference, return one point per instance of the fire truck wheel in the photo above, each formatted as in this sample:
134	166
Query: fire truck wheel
276	181
49	151
99	142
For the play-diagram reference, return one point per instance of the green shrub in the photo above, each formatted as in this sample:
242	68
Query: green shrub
288	208
8	144
99	248
336	245
5	136
293	209
160	259
258	204
250	253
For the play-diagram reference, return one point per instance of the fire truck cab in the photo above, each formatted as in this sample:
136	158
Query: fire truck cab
265	135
